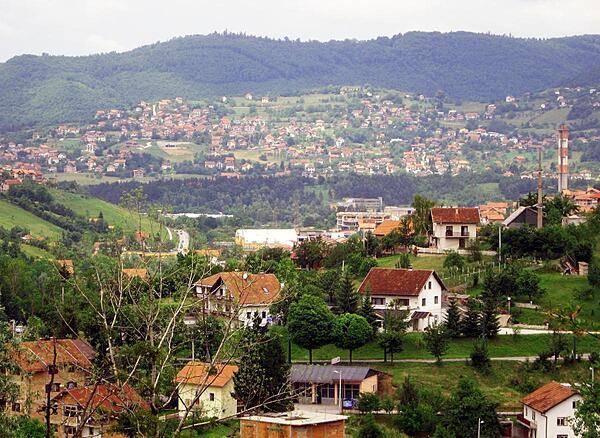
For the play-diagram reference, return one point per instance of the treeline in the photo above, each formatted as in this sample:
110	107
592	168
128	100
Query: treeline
302	201
464	65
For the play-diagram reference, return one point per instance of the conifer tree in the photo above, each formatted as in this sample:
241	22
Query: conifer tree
489	324
367	311
453	320
346	298
470	323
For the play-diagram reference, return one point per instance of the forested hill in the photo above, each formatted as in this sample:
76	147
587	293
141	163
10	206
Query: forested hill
43	89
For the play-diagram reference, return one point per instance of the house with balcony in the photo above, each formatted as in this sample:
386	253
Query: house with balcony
419	292
239	293
548	410
453	227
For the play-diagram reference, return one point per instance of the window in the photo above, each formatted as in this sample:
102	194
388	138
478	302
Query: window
70	430
423	301
248	315
429	285
327	391
533	415
561	421
211	396
378	301
575	403
71	385
448	230
464	230
16	407
70	410
264	314
435	299
351	391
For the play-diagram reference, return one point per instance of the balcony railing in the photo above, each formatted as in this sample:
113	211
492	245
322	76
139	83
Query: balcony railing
458	234
525	422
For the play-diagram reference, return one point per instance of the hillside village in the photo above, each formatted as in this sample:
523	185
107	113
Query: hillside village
350	129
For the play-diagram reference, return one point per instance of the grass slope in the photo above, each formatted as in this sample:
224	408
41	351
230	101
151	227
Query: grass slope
12	216
90	207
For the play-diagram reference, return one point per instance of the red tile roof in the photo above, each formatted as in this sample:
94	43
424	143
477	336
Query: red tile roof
35	356
546	397
109	398
245	287
455	215
397	282
195	373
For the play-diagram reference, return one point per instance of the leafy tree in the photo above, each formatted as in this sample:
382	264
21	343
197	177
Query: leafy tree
436	341
351	332
442	432
262	379
368	402
452	322
387	404
528	285
369	428
207	335
329	281
454	261
310	323
346	298
408	394
416	419
586	422
394	328
470	323
421	218
466	405
310	253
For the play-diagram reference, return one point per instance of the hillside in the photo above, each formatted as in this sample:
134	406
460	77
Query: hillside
48	89
13	216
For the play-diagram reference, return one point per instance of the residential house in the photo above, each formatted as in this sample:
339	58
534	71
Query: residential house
242	293
206	390
320	384
386	227
36	362
419	292
522	216
453	227
548	410
92	410
307	424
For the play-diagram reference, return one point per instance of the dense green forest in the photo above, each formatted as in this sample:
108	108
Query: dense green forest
305	201
48	89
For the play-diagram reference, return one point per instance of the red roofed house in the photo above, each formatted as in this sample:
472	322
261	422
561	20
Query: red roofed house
205	389
35	360
418	291
247	294
92	409
548	410
453	227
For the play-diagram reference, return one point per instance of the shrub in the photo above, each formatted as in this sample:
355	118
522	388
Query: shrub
480	358
368	402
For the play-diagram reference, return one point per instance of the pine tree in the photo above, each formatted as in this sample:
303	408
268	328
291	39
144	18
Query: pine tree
453	320
346	298
262	380
367	311
489	325
470	323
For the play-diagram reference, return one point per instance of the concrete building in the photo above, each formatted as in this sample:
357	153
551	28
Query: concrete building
206	391
453	227
253	239
548	410
416	291
296	424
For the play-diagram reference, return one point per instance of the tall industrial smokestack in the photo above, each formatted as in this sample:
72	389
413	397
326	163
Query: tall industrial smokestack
540	197
563	158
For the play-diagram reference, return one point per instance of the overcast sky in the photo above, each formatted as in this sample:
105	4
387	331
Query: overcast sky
76	27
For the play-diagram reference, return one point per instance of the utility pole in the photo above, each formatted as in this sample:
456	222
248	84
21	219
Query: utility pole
540	218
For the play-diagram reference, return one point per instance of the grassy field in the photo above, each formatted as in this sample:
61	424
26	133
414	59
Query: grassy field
11	216
34	251
90	208
435	262
414	348
506	383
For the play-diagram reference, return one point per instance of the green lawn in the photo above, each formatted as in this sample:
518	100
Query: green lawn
414	348
90	207
34	251
435	262
11	216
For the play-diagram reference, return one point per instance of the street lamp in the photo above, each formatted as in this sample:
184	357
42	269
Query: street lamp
479	423
340	388
592	370
508	298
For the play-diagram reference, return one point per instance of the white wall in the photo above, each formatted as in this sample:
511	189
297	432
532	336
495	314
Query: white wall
439	232
223	405
547	426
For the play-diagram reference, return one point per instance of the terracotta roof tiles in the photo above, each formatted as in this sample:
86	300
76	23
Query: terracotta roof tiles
546	397
196	373
398	282
455	215
35	356
246	288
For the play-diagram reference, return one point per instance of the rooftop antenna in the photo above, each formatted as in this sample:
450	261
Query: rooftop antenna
540	217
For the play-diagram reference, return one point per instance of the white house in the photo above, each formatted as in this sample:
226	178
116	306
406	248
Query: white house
206	390
453	227
418	291
548	410
248	295
253	239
